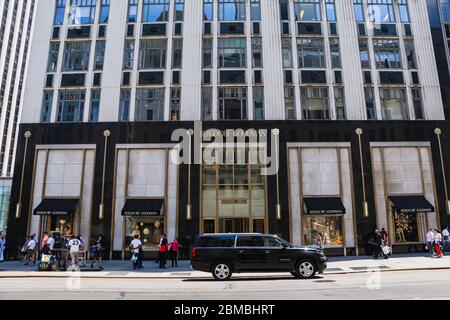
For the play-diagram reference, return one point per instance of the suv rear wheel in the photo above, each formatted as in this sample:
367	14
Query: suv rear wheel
222	271
305	269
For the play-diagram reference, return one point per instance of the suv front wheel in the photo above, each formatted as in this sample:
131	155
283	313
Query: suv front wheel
222	271
305	269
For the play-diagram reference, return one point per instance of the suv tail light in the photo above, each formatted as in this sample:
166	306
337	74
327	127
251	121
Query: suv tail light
194	252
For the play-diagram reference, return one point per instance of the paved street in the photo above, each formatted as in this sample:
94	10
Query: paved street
385	285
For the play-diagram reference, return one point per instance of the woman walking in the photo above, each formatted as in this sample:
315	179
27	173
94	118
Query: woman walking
437	243
174	246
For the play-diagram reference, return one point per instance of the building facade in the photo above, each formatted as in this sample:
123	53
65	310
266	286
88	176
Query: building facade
16	18
345	93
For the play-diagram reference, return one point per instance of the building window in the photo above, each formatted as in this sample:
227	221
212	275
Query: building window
175	104
53	57
311	53
329	226
104	11
315	103
364	53
76	56
381	11
359	10
82	11
418	105
406	227
71	106
149	230
47	106
132	10
331	10
150	104
410	54
370	103
387	54
207	53
99	54
208	10
307	10
152	54
232	103
124	108
335	53
60	10
284	10
232	10
257	52
207	104
95	105
339	102
289	103
232	53
445	9
255	10
177	52
404	12
156	10
128	56
258	103
179	10
286	44
393	104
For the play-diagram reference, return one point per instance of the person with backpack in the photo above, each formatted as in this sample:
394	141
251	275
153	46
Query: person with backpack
98	253
445	239
174	246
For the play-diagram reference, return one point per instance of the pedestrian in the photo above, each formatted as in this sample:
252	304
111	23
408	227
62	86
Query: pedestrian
51	242
438	243
430	241
24	250
445	238
159	245
98	253
385	237
163	252
134	247
378	245
74	249
319	240
44	239
174	246
31	246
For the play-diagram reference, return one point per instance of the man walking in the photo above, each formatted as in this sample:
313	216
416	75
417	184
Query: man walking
163	248
135	245
31	245
74	245
445	235
98	253
430	241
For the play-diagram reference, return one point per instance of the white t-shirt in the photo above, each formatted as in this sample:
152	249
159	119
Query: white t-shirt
438	238
445	233
74	245
135	245
430	236
51	243
31	244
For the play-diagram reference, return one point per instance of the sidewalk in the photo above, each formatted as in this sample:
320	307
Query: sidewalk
336	265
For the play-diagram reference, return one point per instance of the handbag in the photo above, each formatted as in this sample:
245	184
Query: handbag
135	257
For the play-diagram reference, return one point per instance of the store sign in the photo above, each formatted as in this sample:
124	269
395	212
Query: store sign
50	213
326	211
56	207
324	206
143	208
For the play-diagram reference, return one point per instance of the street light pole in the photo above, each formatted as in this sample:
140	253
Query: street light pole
438	133
360	132
27	136
101	209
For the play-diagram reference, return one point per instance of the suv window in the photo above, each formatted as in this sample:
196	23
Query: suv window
216	242
272	242
250	241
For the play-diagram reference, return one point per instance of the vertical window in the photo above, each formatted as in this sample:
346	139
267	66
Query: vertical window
76	56
179	10
404	12
370	103
286	44
311	53
60	9
150	104
410	54
257	52
71	106
128	56
208	10
364	53
335	53
207	103
124	108
232	10
418	105
99	54
104	11
132	10
284	10
177	52
47	106
53	57
207	53
155	10
232	53
315	103
289	103
95	105
152	54
307	10
232	103
331	10
258	103
82	11
175	104
339	102
358	8
381	11
255	10
393	104
387	54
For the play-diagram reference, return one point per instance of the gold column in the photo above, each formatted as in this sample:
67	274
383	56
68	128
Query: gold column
189	133
438	133
276	133
359	132
101	209
27	136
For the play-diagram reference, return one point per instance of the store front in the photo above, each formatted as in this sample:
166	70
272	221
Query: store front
405	192
59	216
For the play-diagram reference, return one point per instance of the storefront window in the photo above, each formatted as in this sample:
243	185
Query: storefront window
148	229
329	226
406	228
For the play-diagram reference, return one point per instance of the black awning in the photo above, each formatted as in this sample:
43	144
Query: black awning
56	207
324	206
143	207
411	204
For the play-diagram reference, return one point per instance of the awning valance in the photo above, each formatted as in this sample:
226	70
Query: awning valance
411	204
143	207
324	206
56	207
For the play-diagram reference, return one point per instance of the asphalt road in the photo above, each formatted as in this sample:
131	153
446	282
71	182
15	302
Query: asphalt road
384	285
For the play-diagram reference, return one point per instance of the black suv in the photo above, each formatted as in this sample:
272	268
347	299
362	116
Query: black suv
223	254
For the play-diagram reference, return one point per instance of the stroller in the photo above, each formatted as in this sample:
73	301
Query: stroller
48	260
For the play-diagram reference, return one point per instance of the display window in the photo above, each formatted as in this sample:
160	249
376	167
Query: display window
149	230
330	227
406	228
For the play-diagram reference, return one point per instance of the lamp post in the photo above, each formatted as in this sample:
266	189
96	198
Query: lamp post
189	133
438	133
276	134
101	209
360	132
27	136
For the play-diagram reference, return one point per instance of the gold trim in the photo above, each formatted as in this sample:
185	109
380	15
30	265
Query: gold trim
31	200
433	182
352	195
114	197
341	194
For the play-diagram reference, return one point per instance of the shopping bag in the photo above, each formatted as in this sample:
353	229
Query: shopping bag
386	249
